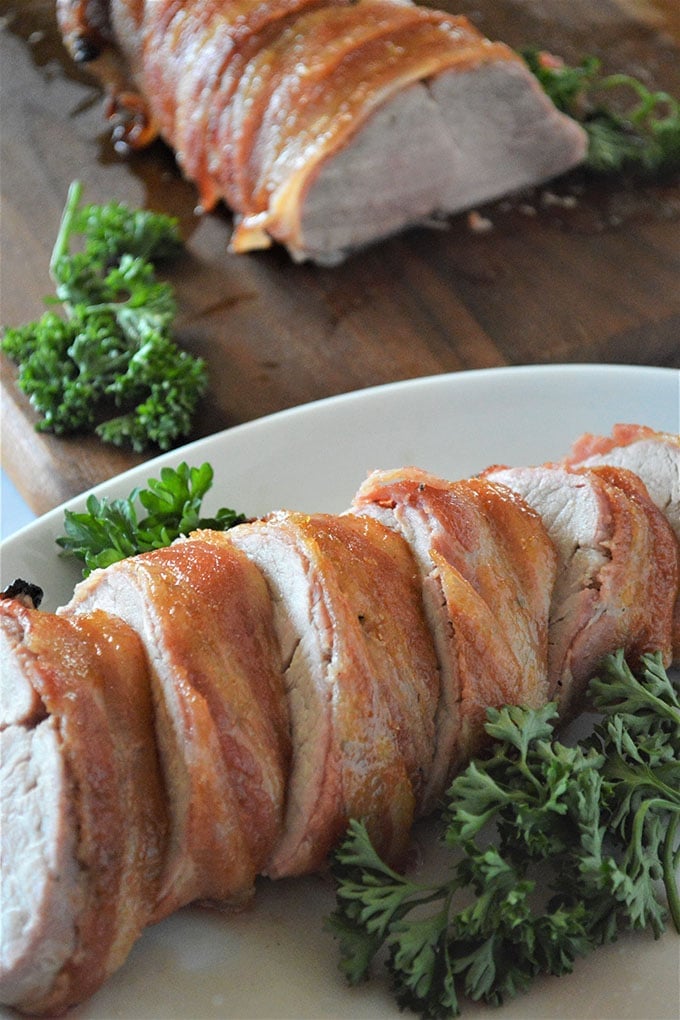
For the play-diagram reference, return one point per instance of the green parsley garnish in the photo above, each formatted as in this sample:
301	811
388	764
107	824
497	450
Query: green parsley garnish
111	530
108	363
630	128
555	850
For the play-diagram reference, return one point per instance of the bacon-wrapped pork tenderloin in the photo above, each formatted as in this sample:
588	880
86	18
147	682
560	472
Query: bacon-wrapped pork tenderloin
203	614
202	714
617	579
84	822
487	568
361	677
655	458
292	111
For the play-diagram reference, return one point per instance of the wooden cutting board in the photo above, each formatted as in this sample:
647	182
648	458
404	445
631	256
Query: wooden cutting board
568	273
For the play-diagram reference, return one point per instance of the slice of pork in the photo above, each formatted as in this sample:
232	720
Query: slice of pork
487	570
655	458
41	888
84	819
617	569
463	138
203	614
361	677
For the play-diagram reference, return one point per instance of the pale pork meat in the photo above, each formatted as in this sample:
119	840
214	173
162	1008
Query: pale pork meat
487	570
291	111
617	569
84	821
361	678
203	614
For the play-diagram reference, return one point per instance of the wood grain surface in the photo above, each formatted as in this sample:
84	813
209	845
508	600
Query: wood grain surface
573	272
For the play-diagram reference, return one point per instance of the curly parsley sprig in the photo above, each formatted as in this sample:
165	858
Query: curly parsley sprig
630	128
555	849
109	363
111	530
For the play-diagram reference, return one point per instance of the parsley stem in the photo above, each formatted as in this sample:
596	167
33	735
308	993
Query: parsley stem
61	245
648	101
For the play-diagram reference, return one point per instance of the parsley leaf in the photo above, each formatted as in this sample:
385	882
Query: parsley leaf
555	849
110	364
111	530
630	128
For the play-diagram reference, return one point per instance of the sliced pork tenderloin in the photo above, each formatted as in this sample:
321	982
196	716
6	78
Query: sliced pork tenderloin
653	455
203	614
361	677
617	569
487	570
655	458
290	112
84	814
654	628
